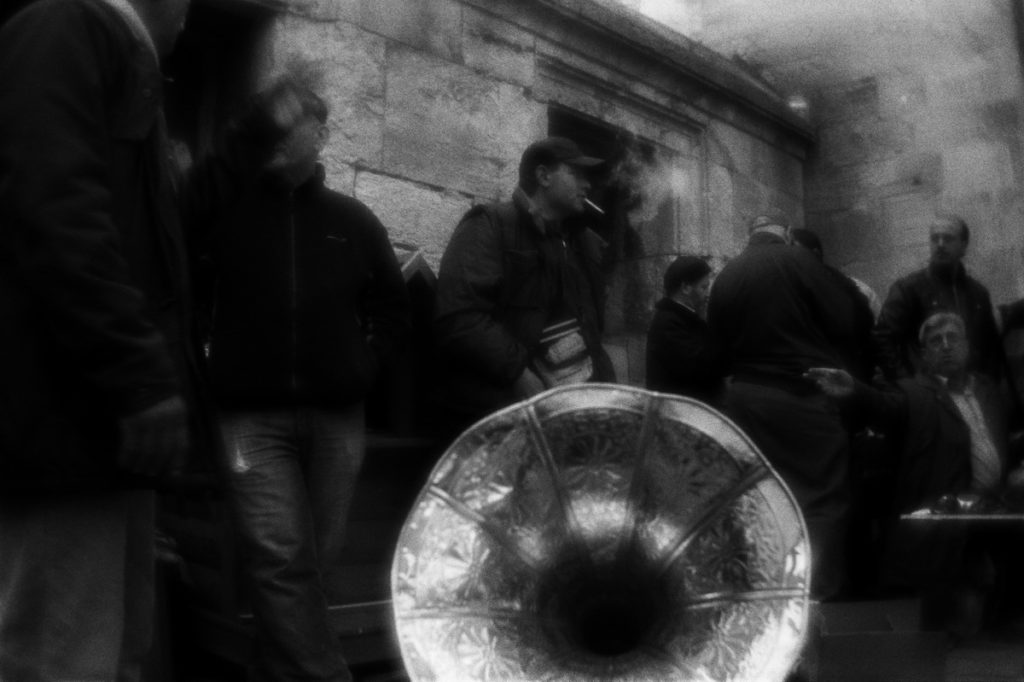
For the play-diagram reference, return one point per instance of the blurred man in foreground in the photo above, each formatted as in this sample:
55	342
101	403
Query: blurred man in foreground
99	391
773	309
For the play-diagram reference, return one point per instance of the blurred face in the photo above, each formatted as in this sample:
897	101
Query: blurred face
947	243
296	155
697	293
564	188
944	351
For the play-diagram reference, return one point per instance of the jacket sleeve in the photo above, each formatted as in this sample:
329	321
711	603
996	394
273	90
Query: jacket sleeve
386	308
468	290
57	69
992	354
885	409
893	332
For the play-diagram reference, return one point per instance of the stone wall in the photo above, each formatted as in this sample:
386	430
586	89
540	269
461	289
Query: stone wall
916	107
433	101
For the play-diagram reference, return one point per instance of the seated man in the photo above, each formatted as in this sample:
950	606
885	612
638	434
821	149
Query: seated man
952	425
683	356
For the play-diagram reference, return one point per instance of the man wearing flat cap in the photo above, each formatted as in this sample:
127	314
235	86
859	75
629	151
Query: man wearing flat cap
520	295
683	356
771	307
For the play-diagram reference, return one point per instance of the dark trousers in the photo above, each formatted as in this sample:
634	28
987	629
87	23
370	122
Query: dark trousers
803	439
76	586
290	477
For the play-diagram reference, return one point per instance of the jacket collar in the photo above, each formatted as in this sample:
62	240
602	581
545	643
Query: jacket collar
938	385
958	273
762	238
524	204
669	304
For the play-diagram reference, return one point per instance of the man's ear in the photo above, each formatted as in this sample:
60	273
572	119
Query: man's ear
543	175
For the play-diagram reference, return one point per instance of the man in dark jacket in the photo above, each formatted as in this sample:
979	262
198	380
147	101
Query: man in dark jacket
520	296
683	356
952	427
858	349
96	351
773	309
943	285
309	302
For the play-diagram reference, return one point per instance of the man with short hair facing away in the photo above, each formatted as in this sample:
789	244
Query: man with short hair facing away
772	308
943	285
683	356
952	425
309	301
520	293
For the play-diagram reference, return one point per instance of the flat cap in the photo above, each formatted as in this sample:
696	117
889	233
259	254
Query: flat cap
768	218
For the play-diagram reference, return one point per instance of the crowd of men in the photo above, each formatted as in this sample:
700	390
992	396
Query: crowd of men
239	314
808	368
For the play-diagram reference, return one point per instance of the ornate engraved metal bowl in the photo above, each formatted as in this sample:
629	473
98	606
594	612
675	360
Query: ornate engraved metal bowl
601	532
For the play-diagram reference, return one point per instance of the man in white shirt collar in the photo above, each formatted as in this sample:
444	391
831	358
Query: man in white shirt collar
951	425
944	354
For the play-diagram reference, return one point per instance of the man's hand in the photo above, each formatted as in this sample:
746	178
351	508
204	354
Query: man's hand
836	383
155	440
528	385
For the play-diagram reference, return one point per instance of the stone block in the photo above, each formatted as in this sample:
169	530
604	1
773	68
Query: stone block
853	100
413	214
774	167
919	172
341	177
977	166
863	140
448	126
729	147
434	26
497	48
966	82
848	235
724	235
904	224
903	94
326	10
831	187
1000	270
346	66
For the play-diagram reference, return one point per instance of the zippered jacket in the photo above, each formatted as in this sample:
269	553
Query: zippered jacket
308	298
503	279
914	298
778	311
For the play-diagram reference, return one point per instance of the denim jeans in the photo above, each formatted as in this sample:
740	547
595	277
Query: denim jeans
76	586
290	477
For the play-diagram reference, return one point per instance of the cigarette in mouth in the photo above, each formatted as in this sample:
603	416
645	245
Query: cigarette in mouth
592	206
